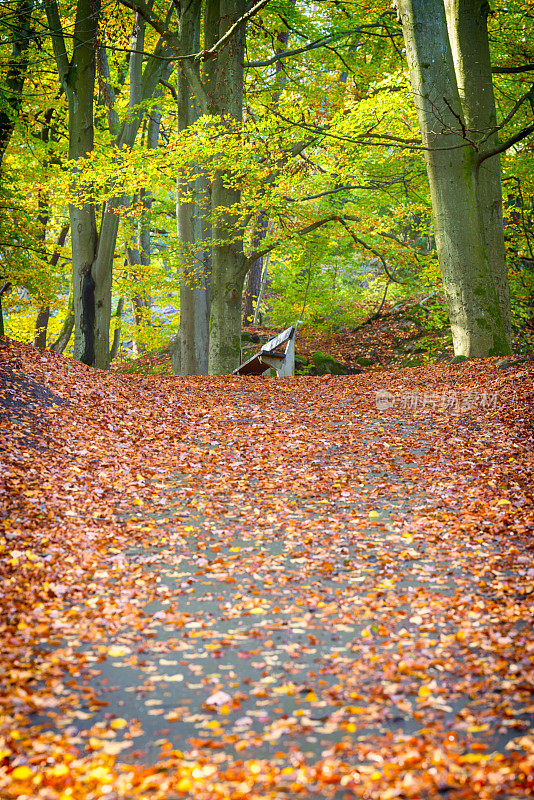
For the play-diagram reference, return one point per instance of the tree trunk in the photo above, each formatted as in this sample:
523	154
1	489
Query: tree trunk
117	332
253	280
254	276
4	288
194	283
228	260
41	327
77	76
66	331
473	298
468	35
81	81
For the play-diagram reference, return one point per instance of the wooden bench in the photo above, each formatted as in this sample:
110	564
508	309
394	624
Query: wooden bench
277	353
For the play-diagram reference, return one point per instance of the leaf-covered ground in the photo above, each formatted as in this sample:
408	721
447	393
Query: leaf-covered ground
265	588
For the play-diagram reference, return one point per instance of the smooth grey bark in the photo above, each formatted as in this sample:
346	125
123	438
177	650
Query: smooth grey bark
475	296
66	331
254	275
117	332
229	265
139	257
468	35
194	278
77	76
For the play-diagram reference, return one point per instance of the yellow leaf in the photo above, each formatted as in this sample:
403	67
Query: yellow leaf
472	758
95	743
58	771
424	691
118	723
21	773
99	773
116	650
225	709
311	697
478	728
374	514
184	785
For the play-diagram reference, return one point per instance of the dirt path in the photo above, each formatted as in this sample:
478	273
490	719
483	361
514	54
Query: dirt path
234	588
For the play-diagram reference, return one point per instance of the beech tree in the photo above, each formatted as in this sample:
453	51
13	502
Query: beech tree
450	70
93	248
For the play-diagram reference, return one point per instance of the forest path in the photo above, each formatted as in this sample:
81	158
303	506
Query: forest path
223	587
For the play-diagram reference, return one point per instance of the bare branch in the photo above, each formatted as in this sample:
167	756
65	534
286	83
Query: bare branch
527	96
318	224
322	42
233	29
372	250
512	70
506	145
58	42
308	229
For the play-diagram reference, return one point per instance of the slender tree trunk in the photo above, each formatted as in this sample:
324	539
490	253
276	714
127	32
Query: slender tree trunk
117	332
66	331
253	280
41	327
140	256
229	264
4	288
43	315
473	298
254	276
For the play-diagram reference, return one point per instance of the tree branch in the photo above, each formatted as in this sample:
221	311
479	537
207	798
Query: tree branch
506	145
58	43
527	96
297	51
366	246
308	229
512	70
318	224
204	54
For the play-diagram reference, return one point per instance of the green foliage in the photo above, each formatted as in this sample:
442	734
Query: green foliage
333	135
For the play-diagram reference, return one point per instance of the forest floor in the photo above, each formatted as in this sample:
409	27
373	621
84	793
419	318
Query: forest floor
223	588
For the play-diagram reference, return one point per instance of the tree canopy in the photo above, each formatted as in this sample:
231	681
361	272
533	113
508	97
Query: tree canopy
159	152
